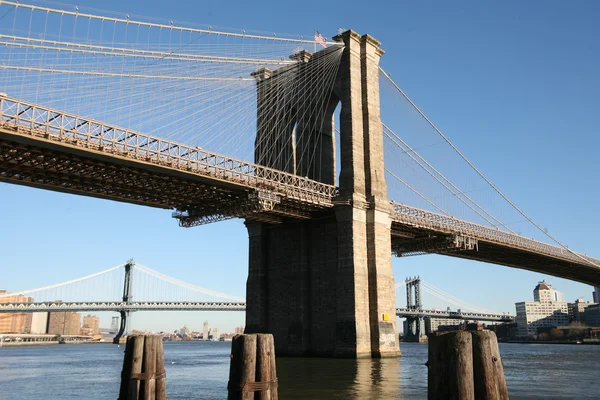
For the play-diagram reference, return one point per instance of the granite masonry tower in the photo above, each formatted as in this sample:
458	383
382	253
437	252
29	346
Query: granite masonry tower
324	286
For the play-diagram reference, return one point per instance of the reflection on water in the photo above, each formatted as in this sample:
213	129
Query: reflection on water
199	370
338	379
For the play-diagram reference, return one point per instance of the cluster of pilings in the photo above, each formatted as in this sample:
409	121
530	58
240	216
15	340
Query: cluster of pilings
252	372
463	365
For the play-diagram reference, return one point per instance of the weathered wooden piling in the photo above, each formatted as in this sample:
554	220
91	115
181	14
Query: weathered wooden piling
465	365
143	374
490	383
252	369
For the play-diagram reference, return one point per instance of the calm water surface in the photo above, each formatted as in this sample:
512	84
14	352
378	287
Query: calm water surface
199	370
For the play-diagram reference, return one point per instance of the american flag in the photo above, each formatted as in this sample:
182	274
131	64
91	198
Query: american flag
320	39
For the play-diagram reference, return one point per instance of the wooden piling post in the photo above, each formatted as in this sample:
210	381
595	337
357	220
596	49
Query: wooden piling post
252	368
490	383
265	367
465	365
450	375
143	367
161	377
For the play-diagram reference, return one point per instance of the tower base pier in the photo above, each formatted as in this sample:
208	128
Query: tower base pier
302	289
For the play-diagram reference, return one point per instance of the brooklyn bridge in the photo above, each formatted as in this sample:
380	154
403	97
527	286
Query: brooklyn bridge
289	134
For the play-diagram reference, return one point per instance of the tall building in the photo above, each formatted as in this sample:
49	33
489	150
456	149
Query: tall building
39	323
91	325
596	295
544	311
239	330
114	324
205	330
184	332
14	322
64	323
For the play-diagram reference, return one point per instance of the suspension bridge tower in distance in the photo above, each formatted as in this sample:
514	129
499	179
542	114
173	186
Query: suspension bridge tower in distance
125	327
413	331
324	286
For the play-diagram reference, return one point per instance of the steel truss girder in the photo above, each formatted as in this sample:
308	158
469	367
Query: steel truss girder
412	312
66	172
35	166
432	244
427	221
28	120
121	306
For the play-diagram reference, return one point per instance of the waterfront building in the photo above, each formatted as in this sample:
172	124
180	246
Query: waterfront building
592	315
14	322
577	309
64	323
39	323
544	311
433	324
91	324
214	334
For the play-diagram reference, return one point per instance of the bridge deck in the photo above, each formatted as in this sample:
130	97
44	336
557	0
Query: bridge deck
410	312
52	149
47	148
412	225
211	306
120	306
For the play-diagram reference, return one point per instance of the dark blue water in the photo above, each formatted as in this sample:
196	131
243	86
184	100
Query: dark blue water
199	370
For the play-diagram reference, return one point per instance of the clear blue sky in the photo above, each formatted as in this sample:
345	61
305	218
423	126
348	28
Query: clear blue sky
514	84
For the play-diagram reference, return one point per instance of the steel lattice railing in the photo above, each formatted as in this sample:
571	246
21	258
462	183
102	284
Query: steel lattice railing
42	123
419	218
121	306
404	312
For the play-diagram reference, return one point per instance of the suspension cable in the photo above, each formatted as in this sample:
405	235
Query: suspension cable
447	140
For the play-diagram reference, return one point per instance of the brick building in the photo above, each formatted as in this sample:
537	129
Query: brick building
15	322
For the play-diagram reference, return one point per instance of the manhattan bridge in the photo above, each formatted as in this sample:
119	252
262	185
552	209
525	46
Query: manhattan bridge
332	166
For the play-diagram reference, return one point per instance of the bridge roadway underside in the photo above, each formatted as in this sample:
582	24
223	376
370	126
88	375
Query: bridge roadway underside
53	166
59	167
423	241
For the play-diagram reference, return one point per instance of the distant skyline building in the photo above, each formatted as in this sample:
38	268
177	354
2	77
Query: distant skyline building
577	310
64	323
15	322
91	325
114	324
205	330
184	332
544	311
39	323
596	295
592	315
433	324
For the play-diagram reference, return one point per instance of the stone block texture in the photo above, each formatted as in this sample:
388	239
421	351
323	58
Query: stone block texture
325	286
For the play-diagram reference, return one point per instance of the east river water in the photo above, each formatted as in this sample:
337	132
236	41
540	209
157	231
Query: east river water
199	370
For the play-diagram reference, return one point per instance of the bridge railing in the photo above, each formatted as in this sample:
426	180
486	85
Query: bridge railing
454	314
121	306
429	220
43	123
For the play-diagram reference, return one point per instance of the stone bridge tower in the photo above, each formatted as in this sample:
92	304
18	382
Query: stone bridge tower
325	286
